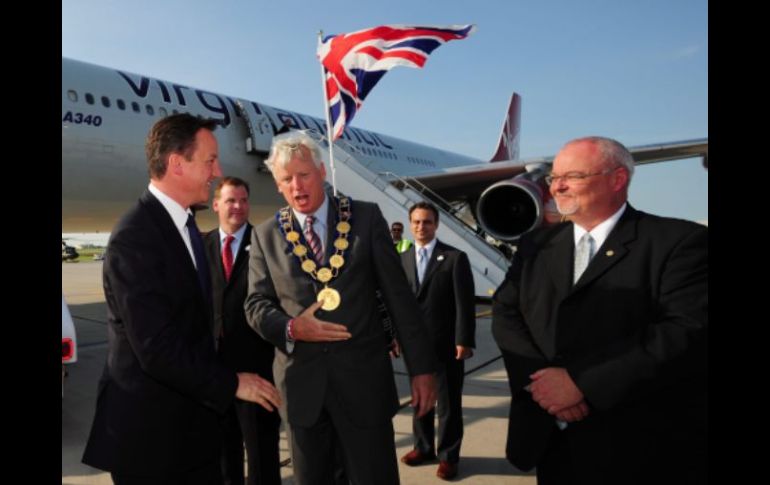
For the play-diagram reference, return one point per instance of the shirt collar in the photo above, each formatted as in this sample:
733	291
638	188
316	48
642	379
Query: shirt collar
237	235
428	247
178	213
601	231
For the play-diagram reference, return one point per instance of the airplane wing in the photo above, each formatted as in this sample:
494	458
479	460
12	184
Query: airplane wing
470	181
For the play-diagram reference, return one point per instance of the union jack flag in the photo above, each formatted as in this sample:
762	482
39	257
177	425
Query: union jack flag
355	62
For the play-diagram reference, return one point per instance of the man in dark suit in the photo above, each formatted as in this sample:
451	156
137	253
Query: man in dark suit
239	347
602	322
336	378
163	390
441	278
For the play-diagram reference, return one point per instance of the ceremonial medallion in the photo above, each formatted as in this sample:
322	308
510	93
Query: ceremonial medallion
343	227
341	244
300	250
336	261
330	298
308	266
324	275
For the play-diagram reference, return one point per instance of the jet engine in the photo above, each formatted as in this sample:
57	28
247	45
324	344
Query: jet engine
508	209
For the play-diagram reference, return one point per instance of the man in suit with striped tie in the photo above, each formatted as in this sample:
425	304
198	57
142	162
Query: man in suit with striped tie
314	273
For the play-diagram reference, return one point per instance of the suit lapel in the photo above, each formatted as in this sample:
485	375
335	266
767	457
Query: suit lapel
410	267
216	255
558	256
331	228
242	257
612	251
171	234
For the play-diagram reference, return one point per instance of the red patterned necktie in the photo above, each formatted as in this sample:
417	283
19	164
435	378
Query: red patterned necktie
313	241
227	256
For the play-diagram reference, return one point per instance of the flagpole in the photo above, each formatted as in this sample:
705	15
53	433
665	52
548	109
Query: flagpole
328	119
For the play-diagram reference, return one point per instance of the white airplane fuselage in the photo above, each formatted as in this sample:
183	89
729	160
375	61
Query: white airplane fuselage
107	113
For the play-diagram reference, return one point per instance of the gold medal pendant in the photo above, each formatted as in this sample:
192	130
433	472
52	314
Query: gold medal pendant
330	298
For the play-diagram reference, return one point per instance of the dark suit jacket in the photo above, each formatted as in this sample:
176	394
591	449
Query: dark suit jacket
241	348
162	387
357	371
446	298
631	334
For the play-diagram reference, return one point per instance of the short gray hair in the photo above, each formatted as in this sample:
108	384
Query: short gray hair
612	152
290	145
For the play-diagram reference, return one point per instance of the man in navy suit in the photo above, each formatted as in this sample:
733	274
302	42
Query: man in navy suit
239	347
163	390
602	322
442	281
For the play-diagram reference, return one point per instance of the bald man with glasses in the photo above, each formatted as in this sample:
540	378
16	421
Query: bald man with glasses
602	322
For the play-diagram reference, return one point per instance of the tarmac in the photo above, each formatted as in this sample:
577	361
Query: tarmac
485	398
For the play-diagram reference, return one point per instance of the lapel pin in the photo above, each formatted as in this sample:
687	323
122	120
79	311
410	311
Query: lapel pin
610	252
440	257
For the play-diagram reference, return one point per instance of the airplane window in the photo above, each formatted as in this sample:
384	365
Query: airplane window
72	95
135	107
121	104
105	101
162	112
150	110
89	98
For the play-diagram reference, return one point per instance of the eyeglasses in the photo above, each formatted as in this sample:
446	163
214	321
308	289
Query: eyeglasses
574	176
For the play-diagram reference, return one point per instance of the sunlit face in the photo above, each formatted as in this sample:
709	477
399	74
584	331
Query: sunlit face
592	199
301	183
232	207
424	225
203	167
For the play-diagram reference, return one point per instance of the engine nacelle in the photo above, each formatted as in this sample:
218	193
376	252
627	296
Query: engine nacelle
508	209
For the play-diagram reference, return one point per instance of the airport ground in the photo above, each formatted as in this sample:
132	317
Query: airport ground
485	398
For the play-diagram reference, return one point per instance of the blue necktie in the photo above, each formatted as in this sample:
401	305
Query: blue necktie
422	263
200	258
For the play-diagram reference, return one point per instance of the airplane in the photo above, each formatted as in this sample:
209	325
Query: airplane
107	113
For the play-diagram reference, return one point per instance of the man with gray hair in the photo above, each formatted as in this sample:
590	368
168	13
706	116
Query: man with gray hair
314	273
602	322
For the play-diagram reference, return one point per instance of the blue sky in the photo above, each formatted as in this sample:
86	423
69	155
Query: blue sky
632	70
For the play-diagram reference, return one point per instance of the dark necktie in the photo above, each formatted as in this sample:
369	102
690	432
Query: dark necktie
200	258
313	241
227	256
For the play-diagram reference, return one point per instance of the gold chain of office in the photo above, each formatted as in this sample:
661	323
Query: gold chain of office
324	275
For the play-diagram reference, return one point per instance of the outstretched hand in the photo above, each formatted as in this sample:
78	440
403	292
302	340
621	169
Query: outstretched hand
308	328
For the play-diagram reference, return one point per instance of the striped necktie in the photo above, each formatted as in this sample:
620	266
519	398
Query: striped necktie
313	240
